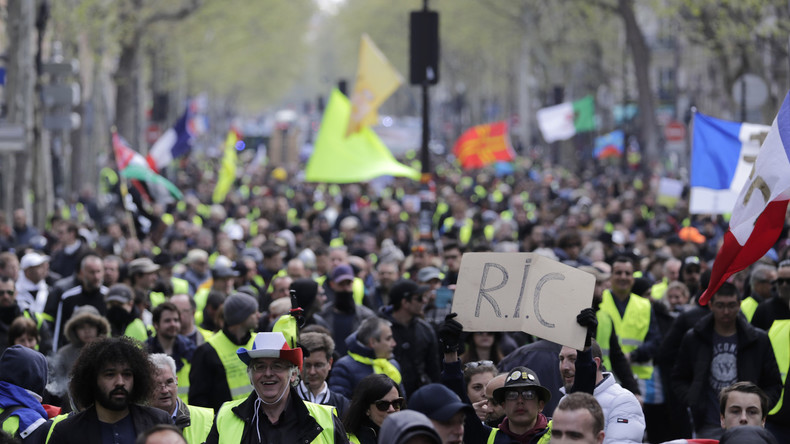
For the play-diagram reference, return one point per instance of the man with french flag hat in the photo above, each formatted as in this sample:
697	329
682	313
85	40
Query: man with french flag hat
273	412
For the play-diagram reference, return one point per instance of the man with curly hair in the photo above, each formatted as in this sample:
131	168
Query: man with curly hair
110	379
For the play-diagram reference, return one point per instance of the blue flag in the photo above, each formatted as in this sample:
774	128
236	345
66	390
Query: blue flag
722	157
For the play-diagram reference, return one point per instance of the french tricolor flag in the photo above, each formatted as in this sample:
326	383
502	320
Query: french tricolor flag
722	157
760	209
177	141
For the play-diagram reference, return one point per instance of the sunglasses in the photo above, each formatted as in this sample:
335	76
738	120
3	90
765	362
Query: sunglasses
8	292
512	395
782	281
383	405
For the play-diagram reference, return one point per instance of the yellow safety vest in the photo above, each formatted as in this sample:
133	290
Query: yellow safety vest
780	341
658	290
183	381
136	330
235	369
748	306
230	427
603	336
180	286
11	424
545	438
201	296
200	421
156	297
55	422
632	328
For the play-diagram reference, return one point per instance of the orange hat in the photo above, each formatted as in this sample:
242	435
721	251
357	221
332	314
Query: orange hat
691	234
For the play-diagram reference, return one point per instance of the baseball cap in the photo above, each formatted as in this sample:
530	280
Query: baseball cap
142	265
32	259
427	273
342	273
405	289
437	402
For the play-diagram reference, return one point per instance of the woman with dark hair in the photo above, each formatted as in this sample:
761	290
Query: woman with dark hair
23	332
483	346
375	397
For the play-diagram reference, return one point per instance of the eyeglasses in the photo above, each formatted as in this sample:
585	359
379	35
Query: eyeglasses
782	281
276	367
166	384
478	364
383	405
8	292
527	395
318	366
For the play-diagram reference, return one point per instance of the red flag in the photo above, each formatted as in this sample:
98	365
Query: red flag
482	145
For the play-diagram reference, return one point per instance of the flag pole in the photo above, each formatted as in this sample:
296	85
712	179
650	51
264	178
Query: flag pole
122	187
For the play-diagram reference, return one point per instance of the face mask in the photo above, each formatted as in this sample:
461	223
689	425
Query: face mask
344	301
119	316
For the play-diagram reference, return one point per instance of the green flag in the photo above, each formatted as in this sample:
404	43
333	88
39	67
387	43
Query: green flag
141	172
584	114
357	158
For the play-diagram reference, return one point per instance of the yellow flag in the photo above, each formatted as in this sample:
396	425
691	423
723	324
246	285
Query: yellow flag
227	172
377	79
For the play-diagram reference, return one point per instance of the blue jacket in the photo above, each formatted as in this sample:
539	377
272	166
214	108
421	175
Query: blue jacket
346	372
31	414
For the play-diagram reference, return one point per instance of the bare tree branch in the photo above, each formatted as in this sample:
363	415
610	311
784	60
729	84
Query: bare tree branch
169	16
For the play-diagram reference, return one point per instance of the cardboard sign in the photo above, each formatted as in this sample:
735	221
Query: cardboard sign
523	292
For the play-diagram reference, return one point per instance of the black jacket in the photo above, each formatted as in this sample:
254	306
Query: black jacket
208	382
756	363
416	350
308	430
85	428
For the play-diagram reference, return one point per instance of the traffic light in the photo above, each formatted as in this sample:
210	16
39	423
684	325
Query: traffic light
60	95
424	47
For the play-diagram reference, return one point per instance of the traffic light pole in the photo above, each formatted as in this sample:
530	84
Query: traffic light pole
427	192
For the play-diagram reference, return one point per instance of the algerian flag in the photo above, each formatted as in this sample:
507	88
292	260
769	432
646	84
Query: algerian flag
357	158
563	121
133	165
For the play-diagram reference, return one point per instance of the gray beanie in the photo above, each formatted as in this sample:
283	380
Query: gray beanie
238	307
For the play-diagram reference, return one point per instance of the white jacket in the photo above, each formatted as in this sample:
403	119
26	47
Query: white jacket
624	422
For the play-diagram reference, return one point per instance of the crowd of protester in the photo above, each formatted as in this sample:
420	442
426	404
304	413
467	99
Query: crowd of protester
173	315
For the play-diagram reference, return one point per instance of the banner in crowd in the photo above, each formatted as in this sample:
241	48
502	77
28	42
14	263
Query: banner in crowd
483	145
376	80
722	156
609	145
563	121
357	158
759	213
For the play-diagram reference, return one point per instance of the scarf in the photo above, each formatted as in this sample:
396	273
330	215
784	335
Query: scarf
380	365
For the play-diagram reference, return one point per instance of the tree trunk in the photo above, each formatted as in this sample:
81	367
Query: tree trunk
524	76
640	53
128	116
20	100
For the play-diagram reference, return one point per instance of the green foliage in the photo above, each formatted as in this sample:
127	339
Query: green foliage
253	51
